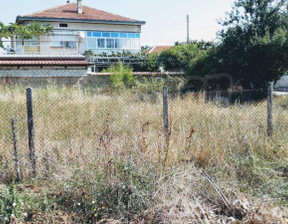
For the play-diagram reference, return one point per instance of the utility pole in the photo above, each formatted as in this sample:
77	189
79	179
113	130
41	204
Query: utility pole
188	30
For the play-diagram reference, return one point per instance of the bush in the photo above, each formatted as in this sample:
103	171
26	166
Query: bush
122	76
149	86
121	192
10	204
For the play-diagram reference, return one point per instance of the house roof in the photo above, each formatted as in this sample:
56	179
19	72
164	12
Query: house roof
68	12
43	63
33	60
158	49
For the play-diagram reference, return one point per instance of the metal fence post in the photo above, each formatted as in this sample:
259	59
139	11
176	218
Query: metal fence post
270	123
30	119
165	112
16	156
166	121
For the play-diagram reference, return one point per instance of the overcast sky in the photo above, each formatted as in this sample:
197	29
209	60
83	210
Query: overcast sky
166	19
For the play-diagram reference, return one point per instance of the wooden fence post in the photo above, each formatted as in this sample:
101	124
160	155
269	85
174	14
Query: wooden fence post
30	119
270	123
16	156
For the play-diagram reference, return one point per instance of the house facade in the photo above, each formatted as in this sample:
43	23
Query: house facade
78	28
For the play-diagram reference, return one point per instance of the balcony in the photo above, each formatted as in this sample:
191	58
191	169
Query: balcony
72	42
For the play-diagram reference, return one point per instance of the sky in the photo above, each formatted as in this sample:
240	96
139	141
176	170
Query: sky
165	19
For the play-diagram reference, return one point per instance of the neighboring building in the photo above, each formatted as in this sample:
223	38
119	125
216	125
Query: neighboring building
282	84
43	66
158	49
78	28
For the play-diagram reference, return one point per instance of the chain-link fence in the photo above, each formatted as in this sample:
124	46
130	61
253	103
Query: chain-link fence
75	128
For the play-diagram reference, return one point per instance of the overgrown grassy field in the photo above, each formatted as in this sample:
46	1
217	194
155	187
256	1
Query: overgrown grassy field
102	157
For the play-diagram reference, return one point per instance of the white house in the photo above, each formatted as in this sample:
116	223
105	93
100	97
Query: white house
78	28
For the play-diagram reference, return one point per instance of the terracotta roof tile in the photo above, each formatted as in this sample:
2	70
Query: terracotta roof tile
43	62
69	11
159	49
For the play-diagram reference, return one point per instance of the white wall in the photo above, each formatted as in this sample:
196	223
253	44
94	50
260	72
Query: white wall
81	45
43	73
95	27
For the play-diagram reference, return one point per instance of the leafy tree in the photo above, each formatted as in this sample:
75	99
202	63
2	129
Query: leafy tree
182	55
23	31
150	63
254	41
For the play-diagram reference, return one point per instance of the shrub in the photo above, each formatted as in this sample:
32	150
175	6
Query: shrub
122	193
122	76
154	85
10	204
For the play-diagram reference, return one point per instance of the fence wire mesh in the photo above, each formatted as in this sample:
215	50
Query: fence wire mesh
280	101
75	128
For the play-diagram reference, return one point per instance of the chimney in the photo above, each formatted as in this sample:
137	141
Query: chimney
79	7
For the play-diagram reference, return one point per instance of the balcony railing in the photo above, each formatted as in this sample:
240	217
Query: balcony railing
57	47
47	47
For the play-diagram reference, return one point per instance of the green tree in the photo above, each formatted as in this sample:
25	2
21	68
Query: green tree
182	55
254	41
23	31
150	63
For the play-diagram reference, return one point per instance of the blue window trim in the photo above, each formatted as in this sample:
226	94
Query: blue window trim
131	35
119	39
96	34
106	34
115	35
123	35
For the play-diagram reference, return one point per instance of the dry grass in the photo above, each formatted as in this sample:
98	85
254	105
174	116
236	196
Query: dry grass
76	131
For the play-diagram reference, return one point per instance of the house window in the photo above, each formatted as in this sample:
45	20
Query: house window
101	43
105	34
64	25
112	40
131	35
126	44
115	35
67	44
96	34
110	43
91	43
123	35
63	39
119	43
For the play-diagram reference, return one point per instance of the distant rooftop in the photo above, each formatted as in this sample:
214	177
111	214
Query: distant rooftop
158	49
69	12
42	56
43	60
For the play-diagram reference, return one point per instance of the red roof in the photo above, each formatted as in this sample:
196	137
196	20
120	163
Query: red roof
69	11
15	60
44	62
159	49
